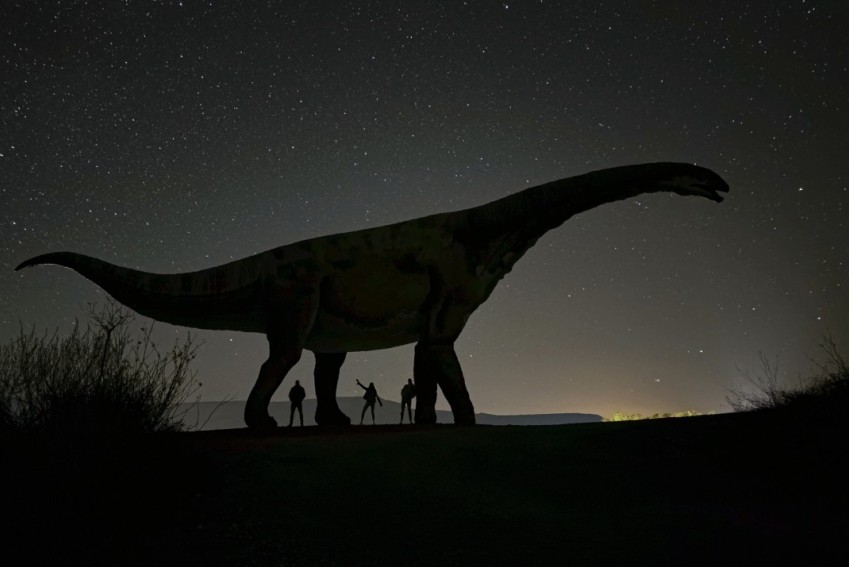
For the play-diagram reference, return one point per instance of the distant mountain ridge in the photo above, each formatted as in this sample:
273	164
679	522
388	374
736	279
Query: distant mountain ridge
229	415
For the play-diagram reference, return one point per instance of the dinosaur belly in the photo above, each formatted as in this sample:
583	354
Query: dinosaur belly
369	307
348	338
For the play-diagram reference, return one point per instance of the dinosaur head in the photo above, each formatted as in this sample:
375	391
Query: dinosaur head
695	180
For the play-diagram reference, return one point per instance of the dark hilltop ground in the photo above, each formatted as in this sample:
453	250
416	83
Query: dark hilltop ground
230	415
754	487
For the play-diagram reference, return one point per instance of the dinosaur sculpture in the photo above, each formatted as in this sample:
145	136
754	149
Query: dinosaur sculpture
416	281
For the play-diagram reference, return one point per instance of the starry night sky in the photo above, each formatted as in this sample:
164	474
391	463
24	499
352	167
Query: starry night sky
174	136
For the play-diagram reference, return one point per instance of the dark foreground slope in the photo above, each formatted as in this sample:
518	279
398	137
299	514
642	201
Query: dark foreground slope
724	489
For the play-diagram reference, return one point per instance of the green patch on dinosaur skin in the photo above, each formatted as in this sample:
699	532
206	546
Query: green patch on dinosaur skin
285	272
372	291
408	264
344	264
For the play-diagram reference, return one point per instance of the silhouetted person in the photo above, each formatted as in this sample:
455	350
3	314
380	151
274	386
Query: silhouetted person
296	396
408	392
370	397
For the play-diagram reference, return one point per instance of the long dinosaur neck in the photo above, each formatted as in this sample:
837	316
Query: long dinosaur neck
208	299
499	233
550	205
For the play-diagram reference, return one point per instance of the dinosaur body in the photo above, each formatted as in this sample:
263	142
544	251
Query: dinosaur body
416	281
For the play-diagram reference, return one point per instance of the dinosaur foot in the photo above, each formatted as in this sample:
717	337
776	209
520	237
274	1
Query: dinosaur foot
464	419
261	423
425	416
331	418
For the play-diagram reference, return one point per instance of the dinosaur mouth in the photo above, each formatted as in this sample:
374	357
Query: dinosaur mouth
711	191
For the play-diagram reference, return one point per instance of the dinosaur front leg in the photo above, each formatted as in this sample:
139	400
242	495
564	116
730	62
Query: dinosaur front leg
424	378
327	365
438	365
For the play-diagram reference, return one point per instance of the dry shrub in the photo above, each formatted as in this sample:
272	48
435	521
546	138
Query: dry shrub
825	392
103	377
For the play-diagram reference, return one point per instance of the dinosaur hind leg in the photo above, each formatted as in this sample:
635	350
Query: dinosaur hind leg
282	357
327	412
291	316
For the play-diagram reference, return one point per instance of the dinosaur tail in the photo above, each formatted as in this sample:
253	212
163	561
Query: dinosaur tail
207	299
549	205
